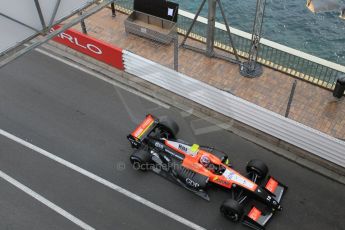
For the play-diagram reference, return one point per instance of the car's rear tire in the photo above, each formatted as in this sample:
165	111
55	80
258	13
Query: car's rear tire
169	127
258	167
232	210
140	160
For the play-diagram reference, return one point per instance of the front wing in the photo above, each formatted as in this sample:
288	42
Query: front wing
257	218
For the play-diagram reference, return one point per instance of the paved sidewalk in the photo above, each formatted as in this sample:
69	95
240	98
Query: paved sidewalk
312	105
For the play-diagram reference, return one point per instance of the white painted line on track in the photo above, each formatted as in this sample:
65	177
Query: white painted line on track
103	181
99	76
46	202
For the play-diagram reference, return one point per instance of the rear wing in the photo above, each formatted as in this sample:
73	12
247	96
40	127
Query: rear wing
142	131
258	218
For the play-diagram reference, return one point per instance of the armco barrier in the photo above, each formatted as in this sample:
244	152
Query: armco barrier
92	47
306	138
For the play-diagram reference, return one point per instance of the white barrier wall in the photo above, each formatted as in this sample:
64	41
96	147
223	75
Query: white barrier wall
297	134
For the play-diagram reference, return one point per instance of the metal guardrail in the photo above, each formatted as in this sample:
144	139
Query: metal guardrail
276	56
311	140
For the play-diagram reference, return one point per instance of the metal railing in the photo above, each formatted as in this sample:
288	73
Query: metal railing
276	56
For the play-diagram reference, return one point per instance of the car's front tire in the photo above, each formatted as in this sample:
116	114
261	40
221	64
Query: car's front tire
140	160
257	167
232	210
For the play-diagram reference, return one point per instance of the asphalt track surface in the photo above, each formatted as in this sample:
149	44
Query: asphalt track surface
85	120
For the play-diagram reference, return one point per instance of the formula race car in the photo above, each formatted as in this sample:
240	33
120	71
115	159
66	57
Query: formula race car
255	197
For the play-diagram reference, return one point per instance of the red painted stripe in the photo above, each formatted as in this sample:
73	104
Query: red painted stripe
90	46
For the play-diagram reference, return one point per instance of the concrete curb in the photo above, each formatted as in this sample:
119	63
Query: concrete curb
273	144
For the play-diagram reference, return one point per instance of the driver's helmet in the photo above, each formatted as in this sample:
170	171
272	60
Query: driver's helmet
205	161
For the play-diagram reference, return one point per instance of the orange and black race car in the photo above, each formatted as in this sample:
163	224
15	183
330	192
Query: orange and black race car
255	197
